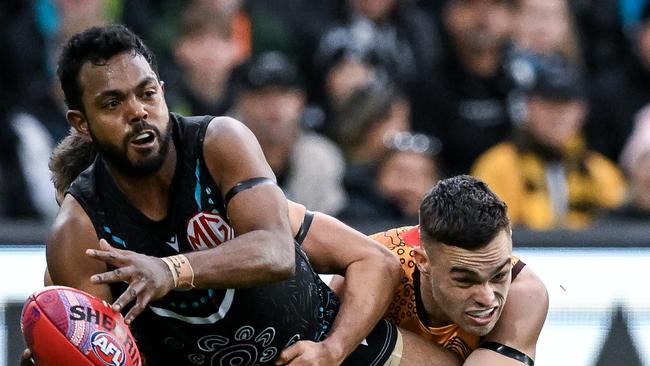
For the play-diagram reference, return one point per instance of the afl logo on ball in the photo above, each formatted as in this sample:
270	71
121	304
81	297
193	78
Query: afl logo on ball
107	349
207	230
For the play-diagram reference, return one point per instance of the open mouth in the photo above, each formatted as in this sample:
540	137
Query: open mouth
482	317
143	138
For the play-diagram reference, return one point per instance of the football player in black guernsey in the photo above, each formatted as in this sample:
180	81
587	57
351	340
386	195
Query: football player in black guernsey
179	223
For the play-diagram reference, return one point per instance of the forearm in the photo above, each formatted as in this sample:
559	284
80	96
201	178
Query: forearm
256	258
367	292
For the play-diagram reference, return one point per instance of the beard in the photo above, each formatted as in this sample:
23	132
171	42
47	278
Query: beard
116	156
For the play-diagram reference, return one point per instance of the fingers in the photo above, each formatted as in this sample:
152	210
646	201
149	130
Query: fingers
129	295
122	274
110	256
289	353
136	291
26	358
138	308
107	253
104	245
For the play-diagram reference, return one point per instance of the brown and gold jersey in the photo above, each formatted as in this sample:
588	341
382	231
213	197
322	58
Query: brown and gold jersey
403	310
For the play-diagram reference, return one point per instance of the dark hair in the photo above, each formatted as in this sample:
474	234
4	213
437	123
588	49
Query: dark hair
271	68
364	109
69	159
462	211
96	45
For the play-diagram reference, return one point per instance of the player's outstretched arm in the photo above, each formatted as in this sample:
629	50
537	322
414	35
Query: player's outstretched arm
371	275
519	325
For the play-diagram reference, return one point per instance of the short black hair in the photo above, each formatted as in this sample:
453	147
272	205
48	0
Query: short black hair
462	211
96	45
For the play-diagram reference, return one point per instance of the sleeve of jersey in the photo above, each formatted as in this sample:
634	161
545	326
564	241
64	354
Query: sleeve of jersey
390	238
398	309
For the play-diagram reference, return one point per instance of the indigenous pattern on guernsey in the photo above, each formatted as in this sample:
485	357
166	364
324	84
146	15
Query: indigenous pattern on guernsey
247	326
407	303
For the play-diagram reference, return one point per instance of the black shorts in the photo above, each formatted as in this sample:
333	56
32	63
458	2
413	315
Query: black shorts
376	348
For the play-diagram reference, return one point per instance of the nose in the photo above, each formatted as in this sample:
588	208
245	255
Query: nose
485	295
136	109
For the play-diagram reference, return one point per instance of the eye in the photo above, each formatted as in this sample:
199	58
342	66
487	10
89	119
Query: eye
500	277
464	282
111	104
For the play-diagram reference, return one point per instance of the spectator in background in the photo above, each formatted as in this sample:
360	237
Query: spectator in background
39	122
601	34
546	174
15	197
291	27
343	69
393	36
366	119
547	27
619	94
309	168
206	53
160	24
408	171
472	92
544	32
361	127
399	180
23	71
635	161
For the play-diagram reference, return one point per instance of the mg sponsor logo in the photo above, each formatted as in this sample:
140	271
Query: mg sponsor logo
207	230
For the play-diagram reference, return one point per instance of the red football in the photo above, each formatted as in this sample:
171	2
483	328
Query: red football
66	326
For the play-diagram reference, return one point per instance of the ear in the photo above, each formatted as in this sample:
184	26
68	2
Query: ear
79	122
162	86
421	259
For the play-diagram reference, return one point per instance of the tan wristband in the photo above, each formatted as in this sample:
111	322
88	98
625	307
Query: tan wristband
181	269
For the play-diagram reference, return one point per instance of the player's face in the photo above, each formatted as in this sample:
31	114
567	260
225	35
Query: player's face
125	113
469	288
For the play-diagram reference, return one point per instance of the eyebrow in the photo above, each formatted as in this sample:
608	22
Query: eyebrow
117	92
471	272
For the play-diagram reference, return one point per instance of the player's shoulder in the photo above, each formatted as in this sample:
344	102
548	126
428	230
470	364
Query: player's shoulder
530	291
229	136
71	223
223	127
390	236
405	236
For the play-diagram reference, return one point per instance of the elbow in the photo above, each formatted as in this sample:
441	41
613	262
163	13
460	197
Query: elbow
280	259
284	268
389	266
393	267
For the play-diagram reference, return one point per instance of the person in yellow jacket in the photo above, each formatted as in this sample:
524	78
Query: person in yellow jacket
545	173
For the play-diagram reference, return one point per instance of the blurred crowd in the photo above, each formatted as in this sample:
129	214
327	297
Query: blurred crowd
360	106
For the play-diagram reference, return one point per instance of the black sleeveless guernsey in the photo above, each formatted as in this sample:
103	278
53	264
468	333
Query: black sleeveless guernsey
244	326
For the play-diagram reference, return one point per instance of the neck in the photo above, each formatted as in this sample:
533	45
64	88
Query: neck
434	317
149	194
